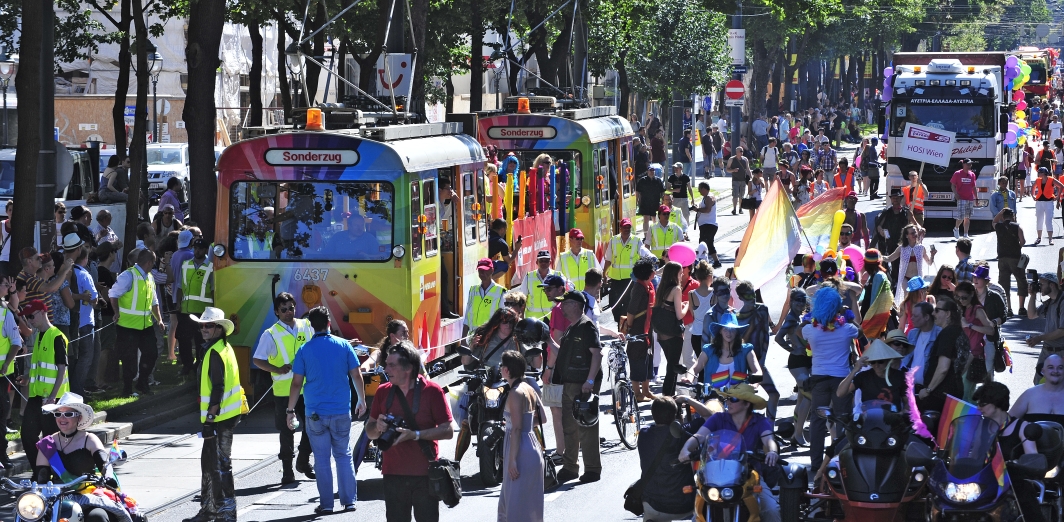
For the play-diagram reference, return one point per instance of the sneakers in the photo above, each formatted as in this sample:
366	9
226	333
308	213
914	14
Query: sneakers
1038	242
956	233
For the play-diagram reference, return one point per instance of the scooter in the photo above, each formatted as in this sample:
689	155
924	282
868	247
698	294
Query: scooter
963	484
869	481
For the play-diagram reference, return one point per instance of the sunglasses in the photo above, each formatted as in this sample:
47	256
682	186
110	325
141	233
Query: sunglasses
209	327
845	233
898	344
67	414
288	309
947	278
941	310
963	297
733	400
722	291
511	304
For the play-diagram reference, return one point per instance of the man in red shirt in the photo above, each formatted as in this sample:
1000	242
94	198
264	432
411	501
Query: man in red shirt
405	466
963	183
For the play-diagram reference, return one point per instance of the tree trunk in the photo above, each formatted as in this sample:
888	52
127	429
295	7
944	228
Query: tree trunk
448	104
476	58
255	80
118	112
138	164
777	82
759	79
282	73
27	88
622	84
201	55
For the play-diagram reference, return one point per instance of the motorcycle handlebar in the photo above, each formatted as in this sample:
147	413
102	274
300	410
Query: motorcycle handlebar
12	487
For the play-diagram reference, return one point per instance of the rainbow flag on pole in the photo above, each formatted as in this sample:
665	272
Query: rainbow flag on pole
772	239
875	319
816	218
952	409
998	464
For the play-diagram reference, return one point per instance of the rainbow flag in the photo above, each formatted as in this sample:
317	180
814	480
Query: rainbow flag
998	464
816	218
48	448
772	239
875	319
952	409
719	379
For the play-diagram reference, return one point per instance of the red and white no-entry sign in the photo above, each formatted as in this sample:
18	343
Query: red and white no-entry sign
734	90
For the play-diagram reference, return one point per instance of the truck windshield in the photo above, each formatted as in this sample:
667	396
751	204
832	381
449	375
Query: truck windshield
165	157
970	121
1038	72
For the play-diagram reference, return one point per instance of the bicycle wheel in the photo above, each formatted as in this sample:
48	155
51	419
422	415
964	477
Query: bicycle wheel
626	415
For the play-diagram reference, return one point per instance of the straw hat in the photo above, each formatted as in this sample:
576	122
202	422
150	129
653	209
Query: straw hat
746	393
215	316
75	402
880	351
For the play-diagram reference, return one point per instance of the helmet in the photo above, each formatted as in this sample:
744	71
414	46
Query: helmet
531	332
586	410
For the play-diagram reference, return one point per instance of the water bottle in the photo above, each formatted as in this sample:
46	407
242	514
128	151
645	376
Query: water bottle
294	425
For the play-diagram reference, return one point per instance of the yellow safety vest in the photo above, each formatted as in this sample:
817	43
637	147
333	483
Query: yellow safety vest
5	343
196	287
538	304
134	306
575	268
287	345
674	217
233	402
43	371
482	305
260	249
623	257
661	238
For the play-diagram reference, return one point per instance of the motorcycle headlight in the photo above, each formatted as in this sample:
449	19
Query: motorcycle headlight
30	506
861	440
491	403
727	493
967	492
714	494
891	441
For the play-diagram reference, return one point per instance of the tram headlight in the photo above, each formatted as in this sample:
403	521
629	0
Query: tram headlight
398	251
30	506
219	250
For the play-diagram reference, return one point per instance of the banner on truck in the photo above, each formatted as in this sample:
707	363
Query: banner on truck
927	144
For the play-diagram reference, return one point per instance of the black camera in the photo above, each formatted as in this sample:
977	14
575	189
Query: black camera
1032	282
385	441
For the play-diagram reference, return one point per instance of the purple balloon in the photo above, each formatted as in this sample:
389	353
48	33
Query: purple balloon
888	94
1010	137
1012	61
888	72
1013	128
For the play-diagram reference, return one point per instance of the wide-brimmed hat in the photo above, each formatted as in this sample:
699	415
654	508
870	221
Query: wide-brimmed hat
75	402
71	241
916	283
215	316
745	392
898	336
727	320
880	351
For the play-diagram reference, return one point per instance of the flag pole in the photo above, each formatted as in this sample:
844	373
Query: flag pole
795	214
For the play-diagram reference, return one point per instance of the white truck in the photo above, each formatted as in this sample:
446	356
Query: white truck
963	93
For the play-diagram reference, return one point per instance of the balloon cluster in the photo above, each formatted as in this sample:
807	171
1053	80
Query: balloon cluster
1017	73
888	91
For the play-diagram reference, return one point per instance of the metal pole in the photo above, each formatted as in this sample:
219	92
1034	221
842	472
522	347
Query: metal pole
736	111
6	81
155	109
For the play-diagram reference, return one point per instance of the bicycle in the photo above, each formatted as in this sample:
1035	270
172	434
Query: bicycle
625	407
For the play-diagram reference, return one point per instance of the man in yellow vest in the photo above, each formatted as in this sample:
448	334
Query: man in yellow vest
195	292
664	234
46	377
275	354
484	299
621	254
575	263
221	404
10	346
539	304
136	307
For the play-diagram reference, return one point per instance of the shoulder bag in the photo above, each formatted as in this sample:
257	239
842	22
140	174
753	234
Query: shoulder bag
999	351
445	483
633	496
666	323
550	471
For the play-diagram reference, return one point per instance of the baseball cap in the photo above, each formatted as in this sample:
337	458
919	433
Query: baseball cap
576	233
552	280
573	295
896	192
485	264
201	242
184	239
625	222
664	209
677	165
33	307
1049	276
543	254
851	194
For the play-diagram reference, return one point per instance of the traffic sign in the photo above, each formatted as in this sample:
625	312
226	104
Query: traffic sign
707	104
734	90
733	103
738	69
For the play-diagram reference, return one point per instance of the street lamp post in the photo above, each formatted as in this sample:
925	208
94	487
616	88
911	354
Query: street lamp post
155	68
295	65
8	66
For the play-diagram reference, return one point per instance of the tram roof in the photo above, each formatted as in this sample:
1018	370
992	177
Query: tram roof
596	129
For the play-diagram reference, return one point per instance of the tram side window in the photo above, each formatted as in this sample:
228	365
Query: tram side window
575	178
428	196
482	223
626	184
415	225
469	200
602	178
334	221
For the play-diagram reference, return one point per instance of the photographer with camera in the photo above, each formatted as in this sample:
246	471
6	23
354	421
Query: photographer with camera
412	435
1052	310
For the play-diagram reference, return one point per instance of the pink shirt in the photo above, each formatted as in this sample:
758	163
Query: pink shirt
963	182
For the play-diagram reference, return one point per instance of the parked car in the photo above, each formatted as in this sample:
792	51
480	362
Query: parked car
165	161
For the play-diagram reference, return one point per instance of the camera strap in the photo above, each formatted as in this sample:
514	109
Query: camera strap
410	420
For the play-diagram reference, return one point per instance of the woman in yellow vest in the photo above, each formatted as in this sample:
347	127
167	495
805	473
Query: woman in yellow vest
221	403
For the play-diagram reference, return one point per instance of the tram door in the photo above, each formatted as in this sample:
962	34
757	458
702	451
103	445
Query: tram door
450	237
605	190
623	184
471	234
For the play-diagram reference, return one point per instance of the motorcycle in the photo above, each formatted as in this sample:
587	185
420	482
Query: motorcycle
870	480
486	407
366	450
47	501
963	484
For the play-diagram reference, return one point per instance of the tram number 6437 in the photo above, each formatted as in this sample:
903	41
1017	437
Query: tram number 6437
312	274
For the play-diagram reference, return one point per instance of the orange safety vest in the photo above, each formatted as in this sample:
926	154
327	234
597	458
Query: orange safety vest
917	203
1040	185
849	179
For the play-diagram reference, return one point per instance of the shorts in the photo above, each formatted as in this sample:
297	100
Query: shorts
799	361
738	188
965	208
718	155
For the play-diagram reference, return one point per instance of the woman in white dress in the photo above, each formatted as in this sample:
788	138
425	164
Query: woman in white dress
914	259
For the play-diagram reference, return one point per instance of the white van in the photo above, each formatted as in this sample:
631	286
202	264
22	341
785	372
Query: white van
165	161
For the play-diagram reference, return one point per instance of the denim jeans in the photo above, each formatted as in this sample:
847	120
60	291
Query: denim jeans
86	351
331	435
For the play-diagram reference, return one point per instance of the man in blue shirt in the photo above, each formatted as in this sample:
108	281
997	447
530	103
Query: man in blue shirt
84	348
1003	197
326	362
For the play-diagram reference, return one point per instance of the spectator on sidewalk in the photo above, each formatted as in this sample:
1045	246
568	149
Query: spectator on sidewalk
194	287
136	306
276	354
405	463
739	169
46	378
104	234
81	216
6	267
107	367
173	196
10	346
326	363
84	340
221	404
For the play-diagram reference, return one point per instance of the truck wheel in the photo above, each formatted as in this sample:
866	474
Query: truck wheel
790	500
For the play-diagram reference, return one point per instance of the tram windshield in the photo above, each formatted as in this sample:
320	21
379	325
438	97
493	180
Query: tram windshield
319	221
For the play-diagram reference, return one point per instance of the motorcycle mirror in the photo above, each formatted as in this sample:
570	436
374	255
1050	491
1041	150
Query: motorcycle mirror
1033	431
676	430
755	379
824	412
931	419
785	430
1029	465
462	350
918	454
532	352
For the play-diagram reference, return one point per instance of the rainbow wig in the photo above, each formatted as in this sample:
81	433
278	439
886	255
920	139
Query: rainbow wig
826	305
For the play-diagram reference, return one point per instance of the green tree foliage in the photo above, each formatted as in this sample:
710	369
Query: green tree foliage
77	35
678	46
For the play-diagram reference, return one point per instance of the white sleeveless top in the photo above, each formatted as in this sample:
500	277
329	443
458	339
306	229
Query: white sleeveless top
699	313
